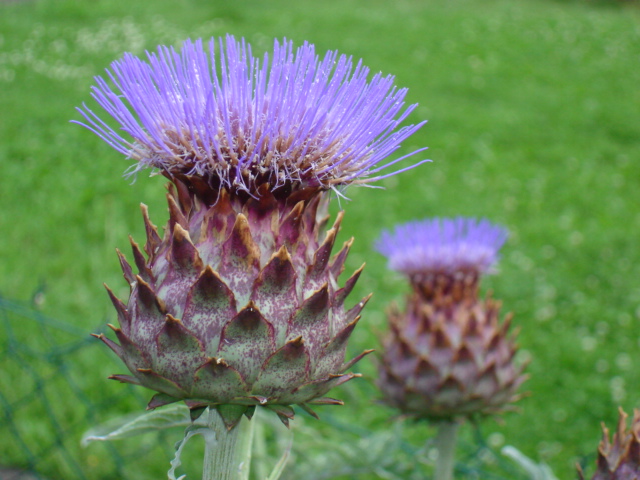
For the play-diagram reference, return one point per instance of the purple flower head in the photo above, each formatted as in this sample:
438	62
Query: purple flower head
443	246
290	119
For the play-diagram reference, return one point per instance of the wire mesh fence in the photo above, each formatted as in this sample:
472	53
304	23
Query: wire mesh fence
52	388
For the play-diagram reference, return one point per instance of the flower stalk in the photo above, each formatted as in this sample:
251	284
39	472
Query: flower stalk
229	457
445	441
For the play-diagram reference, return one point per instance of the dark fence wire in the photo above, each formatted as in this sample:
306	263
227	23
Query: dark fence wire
41	370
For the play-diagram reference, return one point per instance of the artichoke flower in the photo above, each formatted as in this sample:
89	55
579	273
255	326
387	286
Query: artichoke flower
238	303
619	458
447	356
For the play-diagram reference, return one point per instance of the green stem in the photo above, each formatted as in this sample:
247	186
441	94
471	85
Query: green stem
229	456
260	448
446	445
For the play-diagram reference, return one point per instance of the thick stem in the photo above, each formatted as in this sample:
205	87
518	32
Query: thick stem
446	445
260	448
229	456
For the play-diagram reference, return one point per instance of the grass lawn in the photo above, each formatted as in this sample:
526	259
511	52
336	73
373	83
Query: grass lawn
533	122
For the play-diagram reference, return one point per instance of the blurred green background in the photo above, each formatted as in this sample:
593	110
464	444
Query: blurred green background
533	110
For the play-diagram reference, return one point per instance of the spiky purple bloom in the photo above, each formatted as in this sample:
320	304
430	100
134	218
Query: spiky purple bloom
290	119
238	304
443	245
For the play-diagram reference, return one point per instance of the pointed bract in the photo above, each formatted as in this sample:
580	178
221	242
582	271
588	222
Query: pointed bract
153	239
274	291
217	379
209	305
121	309
247	340
240	262
231	414
287	368
127	271
140	262
337	262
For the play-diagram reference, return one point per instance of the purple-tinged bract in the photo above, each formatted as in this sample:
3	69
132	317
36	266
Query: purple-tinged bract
290	119
443	246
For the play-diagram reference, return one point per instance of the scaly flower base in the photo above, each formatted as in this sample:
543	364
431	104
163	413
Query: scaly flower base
238	305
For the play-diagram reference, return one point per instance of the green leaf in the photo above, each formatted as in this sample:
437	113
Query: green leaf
209	438
171	416
261	458
536	471
279	468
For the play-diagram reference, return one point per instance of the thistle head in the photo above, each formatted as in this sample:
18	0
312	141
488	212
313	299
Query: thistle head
238	304
619	455
447	355
220	118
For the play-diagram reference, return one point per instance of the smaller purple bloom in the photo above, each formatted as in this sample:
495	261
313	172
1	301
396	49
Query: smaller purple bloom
443	245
